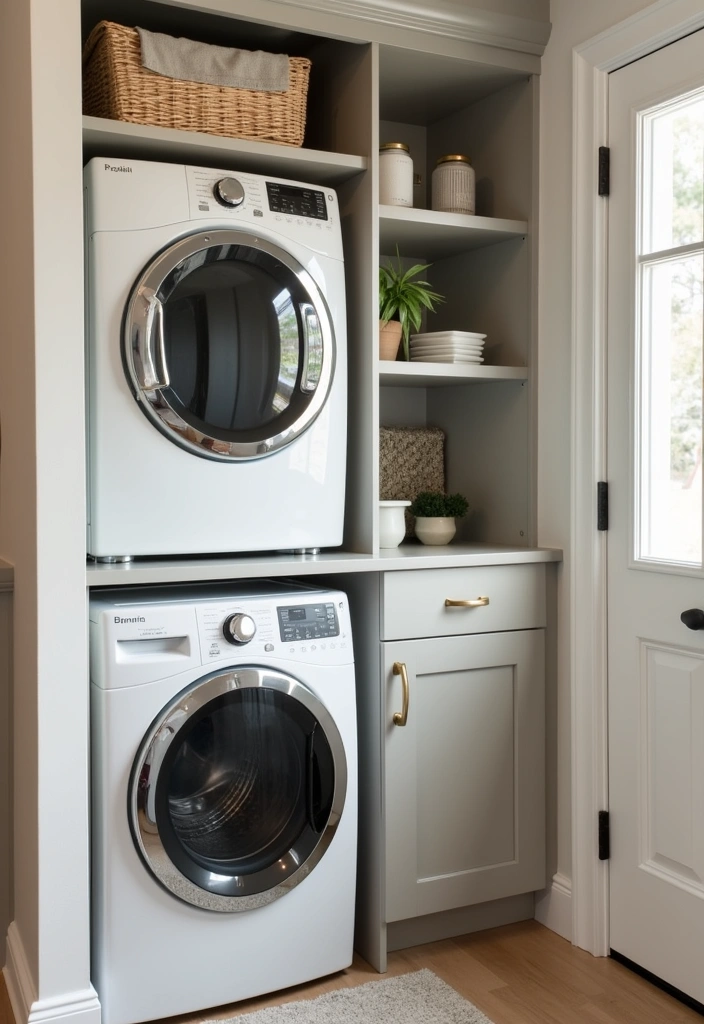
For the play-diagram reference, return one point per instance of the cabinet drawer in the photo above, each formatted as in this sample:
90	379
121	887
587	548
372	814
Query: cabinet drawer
414	601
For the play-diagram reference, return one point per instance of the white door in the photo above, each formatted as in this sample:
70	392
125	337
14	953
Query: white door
656	663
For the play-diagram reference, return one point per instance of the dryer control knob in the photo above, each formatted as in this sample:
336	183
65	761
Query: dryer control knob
229	192
239	628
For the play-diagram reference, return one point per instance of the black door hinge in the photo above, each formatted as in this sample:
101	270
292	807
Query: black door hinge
602	505
604	170
604	836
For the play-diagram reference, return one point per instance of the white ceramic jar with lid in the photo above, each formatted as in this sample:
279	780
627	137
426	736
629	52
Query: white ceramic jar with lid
453	184
395	175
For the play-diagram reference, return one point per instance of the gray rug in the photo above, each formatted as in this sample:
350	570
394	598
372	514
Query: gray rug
417	998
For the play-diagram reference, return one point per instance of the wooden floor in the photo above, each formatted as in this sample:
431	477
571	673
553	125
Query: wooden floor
519	974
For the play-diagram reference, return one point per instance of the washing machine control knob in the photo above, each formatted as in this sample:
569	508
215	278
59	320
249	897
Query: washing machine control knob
229	192
239	628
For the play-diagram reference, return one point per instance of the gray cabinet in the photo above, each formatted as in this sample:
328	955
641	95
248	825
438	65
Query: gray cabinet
464	780
452	751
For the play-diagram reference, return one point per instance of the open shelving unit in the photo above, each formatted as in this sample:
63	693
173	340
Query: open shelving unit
482	264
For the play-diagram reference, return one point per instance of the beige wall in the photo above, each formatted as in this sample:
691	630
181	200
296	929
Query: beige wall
17	409
573	22
6	901
42	531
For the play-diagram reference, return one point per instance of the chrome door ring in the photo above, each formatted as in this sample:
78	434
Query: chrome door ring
145	362
145	774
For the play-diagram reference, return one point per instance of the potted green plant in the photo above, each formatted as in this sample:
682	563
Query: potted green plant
435	514
402	299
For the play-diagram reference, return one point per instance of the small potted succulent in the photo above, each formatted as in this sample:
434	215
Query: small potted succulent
435	514
402	299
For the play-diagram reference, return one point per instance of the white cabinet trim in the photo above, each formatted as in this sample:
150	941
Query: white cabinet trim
80	1007
656	26
444	18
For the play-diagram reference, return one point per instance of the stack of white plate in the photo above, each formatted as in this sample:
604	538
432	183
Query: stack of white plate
447	347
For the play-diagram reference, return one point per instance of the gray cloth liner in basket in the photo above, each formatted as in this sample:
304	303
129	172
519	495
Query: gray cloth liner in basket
411	460
188	60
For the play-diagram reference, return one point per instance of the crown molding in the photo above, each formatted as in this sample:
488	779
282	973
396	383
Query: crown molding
451	18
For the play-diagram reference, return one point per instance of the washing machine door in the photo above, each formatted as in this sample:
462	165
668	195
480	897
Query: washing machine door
237	789
228	345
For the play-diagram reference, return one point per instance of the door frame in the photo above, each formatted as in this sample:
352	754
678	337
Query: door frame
657	25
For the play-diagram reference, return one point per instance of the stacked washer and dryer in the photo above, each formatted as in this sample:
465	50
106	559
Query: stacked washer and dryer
223	716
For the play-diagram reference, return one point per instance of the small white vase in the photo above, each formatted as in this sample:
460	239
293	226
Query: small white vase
392	523
435	529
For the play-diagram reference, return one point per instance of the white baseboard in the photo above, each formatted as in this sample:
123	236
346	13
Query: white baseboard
81	1007
553	906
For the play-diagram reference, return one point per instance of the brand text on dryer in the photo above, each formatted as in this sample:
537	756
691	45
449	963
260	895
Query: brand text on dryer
137	618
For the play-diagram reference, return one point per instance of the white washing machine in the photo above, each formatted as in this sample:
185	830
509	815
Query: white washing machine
224	794
216	362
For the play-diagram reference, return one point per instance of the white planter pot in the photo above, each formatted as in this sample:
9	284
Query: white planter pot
435	529
392	523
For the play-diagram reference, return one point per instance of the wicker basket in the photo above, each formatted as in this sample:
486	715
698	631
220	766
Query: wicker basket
116	86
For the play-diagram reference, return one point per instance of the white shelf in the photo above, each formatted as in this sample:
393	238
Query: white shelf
438	375
409	556
436	235
102	137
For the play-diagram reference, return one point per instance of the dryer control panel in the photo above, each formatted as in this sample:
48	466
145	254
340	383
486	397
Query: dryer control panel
296	201
306	215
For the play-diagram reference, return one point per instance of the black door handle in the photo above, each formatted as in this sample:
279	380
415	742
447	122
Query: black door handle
693	618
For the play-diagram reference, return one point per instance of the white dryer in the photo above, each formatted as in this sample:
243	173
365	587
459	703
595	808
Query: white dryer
216	362
224	794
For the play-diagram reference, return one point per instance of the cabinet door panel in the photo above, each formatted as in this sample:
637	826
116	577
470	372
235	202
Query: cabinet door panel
465	776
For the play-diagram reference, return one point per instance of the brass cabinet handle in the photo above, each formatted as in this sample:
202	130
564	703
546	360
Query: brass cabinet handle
478	602
399	669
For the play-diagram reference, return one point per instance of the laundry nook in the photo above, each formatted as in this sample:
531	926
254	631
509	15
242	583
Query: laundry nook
351	610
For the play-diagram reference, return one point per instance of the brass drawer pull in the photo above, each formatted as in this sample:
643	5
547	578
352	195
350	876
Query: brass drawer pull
478	602
399	669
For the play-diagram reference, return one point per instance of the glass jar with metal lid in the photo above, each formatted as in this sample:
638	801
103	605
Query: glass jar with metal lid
395	175
453	184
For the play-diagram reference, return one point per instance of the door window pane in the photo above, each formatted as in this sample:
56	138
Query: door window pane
670	403
674	176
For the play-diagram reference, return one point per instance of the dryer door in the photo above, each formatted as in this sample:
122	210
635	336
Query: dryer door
237	789
228	345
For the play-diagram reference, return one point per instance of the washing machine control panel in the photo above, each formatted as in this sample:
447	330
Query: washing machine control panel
308	622
312	630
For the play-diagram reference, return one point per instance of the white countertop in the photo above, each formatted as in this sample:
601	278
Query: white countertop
407	556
